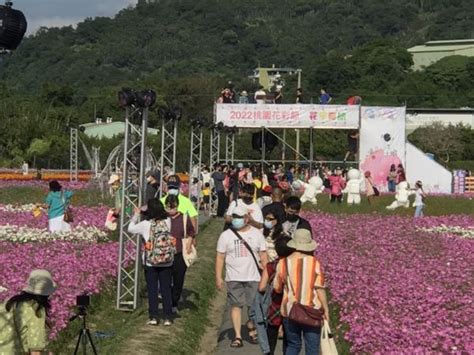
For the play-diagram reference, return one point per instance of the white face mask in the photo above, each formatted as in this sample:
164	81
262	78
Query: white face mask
173	192
268	224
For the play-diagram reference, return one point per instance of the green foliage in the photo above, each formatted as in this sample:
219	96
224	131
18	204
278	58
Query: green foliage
446	142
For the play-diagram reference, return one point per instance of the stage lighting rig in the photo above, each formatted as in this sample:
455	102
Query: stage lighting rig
140	99
12	26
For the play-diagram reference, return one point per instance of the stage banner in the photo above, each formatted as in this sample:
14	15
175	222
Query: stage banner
382	141
288	116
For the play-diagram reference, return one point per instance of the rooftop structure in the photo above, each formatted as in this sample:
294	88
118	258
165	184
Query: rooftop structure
108	129
270	77
432	51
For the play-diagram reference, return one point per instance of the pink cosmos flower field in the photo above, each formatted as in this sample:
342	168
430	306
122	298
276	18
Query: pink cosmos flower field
401	290
77	267
83	215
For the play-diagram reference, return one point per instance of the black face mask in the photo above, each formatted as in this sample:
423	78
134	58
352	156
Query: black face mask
247	200
292	218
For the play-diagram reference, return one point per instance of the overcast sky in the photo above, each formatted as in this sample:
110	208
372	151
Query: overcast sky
66	12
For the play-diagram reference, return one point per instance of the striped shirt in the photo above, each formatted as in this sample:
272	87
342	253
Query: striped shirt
305	274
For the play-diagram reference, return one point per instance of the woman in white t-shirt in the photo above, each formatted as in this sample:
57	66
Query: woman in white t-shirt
419	199
156	221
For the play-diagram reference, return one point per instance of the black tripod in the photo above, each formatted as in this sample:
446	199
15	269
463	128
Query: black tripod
84	333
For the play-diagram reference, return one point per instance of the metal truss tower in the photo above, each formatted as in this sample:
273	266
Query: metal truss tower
73	155
229	146
133	184
214	159
169	135
195	154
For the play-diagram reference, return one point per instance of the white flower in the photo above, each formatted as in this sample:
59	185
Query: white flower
25	234
466	233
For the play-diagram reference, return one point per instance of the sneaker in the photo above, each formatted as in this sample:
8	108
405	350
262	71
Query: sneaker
152	322
167	323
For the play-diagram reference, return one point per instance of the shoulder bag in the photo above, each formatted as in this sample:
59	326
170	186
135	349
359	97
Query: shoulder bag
301	314
190	258
68	216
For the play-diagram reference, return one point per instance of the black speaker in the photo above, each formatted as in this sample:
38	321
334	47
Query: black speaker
257	141
12	27
270	141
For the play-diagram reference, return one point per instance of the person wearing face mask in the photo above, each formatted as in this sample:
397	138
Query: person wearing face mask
293	219
242	250
185	206
152	189
276	207
246	202
180	228
272	229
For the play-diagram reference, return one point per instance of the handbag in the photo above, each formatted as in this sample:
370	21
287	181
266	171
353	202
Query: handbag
376	191
327	344
190	258
68	216
301	314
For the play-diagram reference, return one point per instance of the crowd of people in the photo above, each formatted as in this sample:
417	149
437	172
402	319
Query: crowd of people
274	95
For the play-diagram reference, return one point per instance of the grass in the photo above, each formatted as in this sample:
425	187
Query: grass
128	327
337	328
25	195
435	206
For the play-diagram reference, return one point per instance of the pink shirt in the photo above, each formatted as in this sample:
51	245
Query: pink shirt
337	184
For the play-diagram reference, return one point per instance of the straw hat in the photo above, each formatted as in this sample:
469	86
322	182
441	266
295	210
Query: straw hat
113	179
40	283
302	241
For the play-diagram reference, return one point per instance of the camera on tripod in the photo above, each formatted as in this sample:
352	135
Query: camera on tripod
82	302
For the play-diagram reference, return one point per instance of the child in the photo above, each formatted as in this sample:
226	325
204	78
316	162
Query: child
194	191
337	184
419	199
370	189
206	193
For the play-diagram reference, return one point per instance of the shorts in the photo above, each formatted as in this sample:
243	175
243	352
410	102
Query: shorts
205	199
241	293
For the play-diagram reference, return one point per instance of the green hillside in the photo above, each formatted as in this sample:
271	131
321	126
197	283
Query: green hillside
229	38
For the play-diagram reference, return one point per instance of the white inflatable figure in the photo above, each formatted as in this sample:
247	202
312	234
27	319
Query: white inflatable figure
298	187
353	186
401	196
311	189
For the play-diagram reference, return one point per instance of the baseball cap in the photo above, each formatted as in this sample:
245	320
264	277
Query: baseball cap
174	182
240	211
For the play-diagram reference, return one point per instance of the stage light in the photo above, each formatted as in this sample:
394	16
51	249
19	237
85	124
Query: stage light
198	122
145	98
170	113
130	97
12	26
127	97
